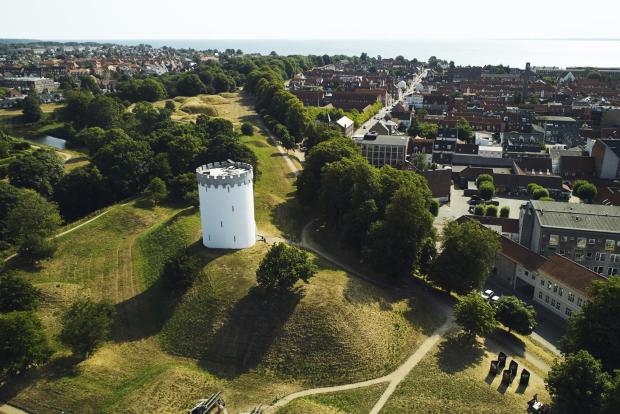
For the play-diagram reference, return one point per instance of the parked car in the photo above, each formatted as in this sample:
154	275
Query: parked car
492	202
475	201
487	294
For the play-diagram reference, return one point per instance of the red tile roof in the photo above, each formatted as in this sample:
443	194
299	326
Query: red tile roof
570	273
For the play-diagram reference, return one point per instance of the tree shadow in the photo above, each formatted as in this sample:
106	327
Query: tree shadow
145	314
62	367
288	217
458	352
507	342
254	322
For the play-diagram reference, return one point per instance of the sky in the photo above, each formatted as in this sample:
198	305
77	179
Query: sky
310	19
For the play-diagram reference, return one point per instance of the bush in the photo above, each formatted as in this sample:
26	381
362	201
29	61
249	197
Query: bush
539	193
247	129
23	342
483	178
486	190
434	207
504	212
515	315
17	294
36	248
475	315
586	191
479	210
491	211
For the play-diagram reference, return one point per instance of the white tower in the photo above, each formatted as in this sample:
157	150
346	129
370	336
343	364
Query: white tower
226	205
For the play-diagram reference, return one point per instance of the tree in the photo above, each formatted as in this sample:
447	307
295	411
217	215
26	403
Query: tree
596	328
32	215
480	209
17	294
39	171
80	192
468	254
577	385
464	130
9	196
394	243
483	178
419	161
93	138
23	343
309	180
89	83
169	105
151	90
104	112
585	191
86	325
31	108
190	85
283	266
504	212
247	129
156	191
183	187
486	190
76	109
180	271
611	402
475	315
125	163
35	247
515	314
539	193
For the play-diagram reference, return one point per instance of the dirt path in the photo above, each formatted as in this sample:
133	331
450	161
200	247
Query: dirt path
9	409
274	140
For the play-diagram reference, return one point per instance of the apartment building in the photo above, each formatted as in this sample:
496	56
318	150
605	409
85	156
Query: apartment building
586	233
380	150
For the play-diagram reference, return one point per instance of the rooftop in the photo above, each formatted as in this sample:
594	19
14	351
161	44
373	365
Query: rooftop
383	139
577	216
570	273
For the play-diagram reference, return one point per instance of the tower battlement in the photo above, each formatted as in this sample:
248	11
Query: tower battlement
226	173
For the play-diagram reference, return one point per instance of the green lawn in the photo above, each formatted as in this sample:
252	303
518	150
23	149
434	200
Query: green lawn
454	379
357	401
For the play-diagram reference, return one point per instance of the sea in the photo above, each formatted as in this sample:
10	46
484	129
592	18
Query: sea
511	52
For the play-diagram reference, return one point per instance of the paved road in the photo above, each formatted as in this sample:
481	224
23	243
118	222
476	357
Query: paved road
9	409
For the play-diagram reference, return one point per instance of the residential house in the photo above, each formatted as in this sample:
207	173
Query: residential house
606	154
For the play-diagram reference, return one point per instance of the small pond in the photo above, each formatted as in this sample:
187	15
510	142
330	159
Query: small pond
51	141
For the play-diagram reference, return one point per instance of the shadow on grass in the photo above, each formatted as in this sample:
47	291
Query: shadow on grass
507	342
145	314
254	322
459	352
62	367
289	217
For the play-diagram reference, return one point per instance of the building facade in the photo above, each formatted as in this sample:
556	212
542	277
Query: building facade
382	150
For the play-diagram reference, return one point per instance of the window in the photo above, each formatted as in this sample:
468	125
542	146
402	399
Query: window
552	302
235	239
557	305
581	242
612	271
571	297
591	241
221	224
568	312
527	273
547	298
600	257
614	258
542	282
579	301
589	255
561	292
549	285
555	288
578	256
233	209
564	238
599	269
562	252
540	294
610	245
554	240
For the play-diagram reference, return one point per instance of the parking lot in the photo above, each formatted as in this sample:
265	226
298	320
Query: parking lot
458	206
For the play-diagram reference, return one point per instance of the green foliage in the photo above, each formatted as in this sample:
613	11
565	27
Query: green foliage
17	294
611	402
23	343
89	83
190	85
486	190
515	314
539	193
434	207
490	211
39	171
283	266
183	188
247	129
585	190
577	384
156	191
419	161
309	180
464	130
31	108
428	130
468	254
480	209
81	192
180	271
32	215
596	328
9	196
483	178
86	325
136	90
35	247
84	110
475	315
504	212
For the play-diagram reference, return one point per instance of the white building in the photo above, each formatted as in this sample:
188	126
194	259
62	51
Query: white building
226	197
490	151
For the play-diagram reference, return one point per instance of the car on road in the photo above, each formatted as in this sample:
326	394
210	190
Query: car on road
487	294
492	202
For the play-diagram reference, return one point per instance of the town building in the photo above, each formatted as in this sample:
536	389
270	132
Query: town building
226	194
38	85
382	150
606	154
559	129
346	126
586	233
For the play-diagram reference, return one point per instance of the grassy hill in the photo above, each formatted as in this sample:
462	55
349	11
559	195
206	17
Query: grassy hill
357	401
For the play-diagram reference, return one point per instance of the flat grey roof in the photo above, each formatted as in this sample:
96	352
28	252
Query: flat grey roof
556	118
385	140
578	216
